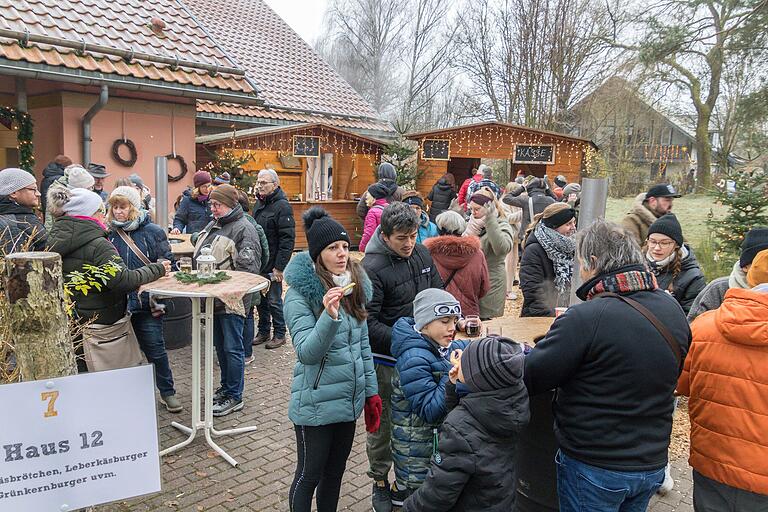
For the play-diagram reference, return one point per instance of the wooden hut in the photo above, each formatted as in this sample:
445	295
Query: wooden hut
318	164
459	149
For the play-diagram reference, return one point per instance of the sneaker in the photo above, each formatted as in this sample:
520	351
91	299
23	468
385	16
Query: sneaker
398	497
227	405
260	339
381	498
668	483
249	360
218	395
275	343
172	403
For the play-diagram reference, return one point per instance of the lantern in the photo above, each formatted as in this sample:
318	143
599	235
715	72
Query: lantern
206	263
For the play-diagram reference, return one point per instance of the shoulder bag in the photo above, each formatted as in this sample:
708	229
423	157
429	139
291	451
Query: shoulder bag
109	347
157	309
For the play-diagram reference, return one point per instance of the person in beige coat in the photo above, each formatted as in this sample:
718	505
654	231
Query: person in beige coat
648	207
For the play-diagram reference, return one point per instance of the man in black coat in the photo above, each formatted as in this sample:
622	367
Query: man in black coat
399	268
533	202
19	225
53	171
275	215
614	373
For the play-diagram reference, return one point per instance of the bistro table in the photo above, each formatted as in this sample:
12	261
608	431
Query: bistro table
181	245
527	330
231	293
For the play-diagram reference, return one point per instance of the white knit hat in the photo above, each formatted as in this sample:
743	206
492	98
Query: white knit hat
83	202
78	177
14	179
129	193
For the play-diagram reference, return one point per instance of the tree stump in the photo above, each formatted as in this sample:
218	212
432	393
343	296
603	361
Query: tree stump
37	317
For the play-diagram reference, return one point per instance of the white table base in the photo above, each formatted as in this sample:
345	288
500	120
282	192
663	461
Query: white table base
198	421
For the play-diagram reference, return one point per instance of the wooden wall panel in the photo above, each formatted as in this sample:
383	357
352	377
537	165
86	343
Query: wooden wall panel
342	211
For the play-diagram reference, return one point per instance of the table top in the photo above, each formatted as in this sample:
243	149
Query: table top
183	247
526	330
242	283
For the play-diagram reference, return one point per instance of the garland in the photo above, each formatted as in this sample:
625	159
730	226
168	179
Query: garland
133	156
185	278
182	165
24	125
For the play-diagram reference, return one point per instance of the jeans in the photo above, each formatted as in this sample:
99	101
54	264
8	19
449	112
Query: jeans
585	488
248	330
228	340
322	454
378	445
271	311
149	332
712	496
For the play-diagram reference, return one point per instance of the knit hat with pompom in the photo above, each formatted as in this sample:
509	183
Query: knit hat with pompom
322	230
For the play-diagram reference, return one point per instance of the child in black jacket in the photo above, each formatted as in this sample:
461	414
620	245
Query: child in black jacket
474	467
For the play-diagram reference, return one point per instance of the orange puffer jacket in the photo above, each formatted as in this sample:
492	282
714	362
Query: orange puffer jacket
726	378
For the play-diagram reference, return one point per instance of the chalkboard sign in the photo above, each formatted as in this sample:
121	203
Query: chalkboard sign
306	146
436	149
525	154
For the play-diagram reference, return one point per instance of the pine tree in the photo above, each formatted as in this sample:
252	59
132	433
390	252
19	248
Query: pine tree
402	155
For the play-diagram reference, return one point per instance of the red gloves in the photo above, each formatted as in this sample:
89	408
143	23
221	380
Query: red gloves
372	413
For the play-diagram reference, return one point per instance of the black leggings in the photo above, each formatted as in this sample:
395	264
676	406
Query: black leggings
322	458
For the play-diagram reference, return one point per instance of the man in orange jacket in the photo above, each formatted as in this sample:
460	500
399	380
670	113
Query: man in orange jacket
726	378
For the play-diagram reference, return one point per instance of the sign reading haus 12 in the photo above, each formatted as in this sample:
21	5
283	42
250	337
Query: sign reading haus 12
541	154
78	441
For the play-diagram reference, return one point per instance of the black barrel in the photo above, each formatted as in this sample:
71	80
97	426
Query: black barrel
177	322
536	470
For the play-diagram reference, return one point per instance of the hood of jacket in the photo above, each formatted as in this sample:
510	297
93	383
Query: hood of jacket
689	262
69	234
377	246
639	209
502	412
452	252
53	170
443	185
405	337
277	195
235	214
300	275
424	220
742	317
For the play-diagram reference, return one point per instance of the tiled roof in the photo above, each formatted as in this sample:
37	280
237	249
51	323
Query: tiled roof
122	25
287	71
229	109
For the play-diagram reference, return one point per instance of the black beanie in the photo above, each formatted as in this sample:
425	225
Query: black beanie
322	230
755	241
669	226
492	363
558	219
379	191
414	200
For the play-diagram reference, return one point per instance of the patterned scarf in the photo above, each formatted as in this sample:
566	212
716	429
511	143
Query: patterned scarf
624	282
560	249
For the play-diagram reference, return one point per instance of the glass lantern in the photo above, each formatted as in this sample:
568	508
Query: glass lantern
206	263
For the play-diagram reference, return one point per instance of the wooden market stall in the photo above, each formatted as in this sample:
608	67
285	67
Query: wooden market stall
459	149
317	164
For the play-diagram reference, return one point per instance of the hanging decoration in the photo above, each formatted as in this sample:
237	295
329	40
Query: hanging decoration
128	143
11	117
173	156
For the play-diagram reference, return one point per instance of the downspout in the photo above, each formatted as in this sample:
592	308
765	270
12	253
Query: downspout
21	94
87	118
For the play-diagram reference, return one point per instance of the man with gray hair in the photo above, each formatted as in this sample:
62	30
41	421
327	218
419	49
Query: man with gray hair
614	361
275	215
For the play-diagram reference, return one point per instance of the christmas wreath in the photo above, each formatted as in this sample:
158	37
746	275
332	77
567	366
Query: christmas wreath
200	281
182	166
133	156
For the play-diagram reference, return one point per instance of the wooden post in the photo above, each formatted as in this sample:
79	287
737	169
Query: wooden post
37	318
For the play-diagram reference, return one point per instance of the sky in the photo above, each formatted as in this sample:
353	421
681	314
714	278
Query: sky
304	16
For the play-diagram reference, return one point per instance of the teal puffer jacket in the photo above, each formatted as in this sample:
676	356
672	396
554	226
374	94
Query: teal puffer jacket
334	371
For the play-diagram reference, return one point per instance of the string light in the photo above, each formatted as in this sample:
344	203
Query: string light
22	123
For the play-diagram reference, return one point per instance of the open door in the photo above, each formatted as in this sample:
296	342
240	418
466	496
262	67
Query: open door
461	168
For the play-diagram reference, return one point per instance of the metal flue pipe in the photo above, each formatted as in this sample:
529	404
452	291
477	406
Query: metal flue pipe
594	197
87	118
161	191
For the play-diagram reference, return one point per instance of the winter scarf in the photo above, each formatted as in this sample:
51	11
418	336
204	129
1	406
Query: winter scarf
560	249
475	226
625	282
130	225
738	278
658	266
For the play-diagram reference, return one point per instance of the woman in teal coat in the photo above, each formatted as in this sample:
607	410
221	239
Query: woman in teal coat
334	380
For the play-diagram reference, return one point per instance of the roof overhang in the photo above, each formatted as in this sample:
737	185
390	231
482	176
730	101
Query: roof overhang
445	131
222	138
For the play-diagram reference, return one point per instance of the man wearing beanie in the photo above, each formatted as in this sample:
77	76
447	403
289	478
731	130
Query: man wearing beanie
473	469
387	176
724	376
421	346
235	245
194	212
648	207
711	297
52	172
427	228
20	229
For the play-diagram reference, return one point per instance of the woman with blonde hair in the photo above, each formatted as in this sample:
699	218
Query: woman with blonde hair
546	267
139	243
488	222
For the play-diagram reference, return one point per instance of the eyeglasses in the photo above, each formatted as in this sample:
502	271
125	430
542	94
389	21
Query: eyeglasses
31	189
263	183
448	309
660	243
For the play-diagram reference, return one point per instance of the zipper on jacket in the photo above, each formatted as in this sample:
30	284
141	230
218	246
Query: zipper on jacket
354	371
320	373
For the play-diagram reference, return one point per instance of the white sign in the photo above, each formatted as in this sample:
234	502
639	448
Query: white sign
78	441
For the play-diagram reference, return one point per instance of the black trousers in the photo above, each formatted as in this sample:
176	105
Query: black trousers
712	496
322	454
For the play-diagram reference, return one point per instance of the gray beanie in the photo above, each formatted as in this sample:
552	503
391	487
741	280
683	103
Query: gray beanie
492	363
432	304
386	171
14	179
83	203
130	194
78	177
571	188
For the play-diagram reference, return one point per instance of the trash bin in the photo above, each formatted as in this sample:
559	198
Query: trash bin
177	322
536	471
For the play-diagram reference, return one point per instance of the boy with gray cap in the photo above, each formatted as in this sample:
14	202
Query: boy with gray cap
421	346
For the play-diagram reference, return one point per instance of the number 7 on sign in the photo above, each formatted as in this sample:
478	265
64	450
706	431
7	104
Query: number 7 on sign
51	396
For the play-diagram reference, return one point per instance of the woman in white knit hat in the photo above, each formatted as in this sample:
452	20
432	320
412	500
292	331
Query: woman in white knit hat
139	243
80	237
